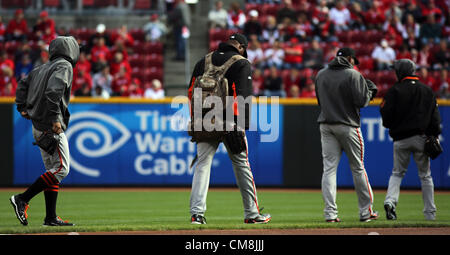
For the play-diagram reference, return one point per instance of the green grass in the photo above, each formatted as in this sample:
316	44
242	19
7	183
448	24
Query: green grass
113	210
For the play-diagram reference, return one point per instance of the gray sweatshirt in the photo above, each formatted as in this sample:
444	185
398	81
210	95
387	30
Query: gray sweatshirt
45	93
341	92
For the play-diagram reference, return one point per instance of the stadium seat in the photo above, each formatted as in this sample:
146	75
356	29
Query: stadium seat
269	9
154	60
142	4
16	4
135	61
137	34
153	48
51	3
216	34
105	3
152	73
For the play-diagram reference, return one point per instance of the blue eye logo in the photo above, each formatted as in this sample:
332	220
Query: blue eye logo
94	128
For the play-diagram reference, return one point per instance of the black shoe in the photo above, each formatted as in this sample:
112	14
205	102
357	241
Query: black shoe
260	219
198	219
334	220
57	221
373	216
390	212
20	208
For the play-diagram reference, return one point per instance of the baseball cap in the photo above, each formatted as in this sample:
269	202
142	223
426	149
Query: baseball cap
241	39
345	52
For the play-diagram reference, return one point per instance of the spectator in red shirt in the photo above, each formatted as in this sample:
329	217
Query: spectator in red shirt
303	28
443	83
404	52
17	28
432	9
310	89
293	55
99	49
121	82
428	79
257	82
123	35
294	91
236	17
45	26
81	77
134	90
119	46
6	61
374	16
83	62
8	82
118	62
292	79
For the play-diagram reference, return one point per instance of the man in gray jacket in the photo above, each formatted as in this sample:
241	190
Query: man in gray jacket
43	97
341	92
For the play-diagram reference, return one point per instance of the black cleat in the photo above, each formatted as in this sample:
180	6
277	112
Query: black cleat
260	219
390	212
373	216
20	208
57	221
334	220
198	219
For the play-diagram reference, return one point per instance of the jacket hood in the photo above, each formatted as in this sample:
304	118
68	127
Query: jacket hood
340	63
65	47
403	68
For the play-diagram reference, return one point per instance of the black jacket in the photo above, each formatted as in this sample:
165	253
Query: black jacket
239	74
409	108
45	93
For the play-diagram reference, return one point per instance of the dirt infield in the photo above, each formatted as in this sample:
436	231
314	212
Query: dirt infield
321	231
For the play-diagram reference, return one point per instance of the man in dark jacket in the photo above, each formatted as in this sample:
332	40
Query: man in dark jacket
240	85
43	97
341	92
410	111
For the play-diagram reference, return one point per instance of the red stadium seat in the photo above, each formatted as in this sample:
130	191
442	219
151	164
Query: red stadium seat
136	61
137	34
51	3
154	60
153	48
269	9
217	34
142	4
152	73
17	4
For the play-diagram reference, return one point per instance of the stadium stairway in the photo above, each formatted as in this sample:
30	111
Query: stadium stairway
178	73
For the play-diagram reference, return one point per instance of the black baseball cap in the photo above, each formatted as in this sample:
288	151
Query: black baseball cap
346	52
241	39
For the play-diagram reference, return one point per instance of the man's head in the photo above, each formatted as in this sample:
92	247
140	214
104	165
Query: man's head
404	68
239	41
349	54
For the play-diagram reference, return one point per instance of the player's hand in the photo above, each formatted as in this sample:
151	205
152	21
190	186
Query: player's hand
57	127
25	115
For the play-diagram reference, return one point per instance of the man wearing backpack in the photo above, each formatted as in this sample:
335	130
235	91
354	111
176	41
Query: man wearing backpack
225	72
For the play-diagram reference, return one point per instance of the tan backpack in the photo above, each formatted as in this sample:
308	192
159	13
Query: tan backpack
211	83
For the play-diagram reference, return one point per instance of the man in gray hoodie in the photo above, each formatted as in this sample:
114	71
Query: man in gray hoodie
341	92
43	97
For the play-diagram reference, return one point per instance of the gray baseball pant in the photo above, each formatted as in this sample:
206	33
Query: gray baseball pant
242	172
336	138
58	163
402	152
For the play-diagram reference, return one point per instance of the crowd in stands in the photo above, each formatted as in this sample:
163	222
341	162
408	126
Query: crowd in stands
291	40
113	62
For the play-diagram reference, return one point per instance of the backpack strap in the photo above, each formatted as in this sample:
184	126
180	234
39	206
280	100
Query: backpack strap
230	62
209	66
